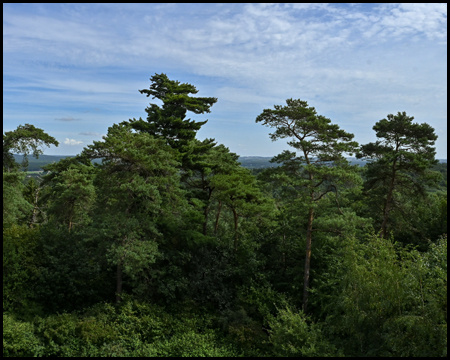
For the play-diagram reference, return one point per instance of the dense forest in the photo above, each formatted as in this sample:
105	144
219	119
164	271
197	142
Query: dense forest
152	242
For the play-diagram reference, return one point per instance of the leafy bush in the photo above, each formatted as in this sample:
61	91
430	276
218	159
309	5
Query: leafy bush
293	334
392	301
131	329
19	338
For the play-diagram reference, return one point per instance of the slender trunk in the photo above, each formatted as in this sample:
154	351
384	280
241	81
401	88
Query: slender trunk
388	203
119	283
307	259
387	209
206	212
284	252
34	215
308	242
235	229
205	223
217	218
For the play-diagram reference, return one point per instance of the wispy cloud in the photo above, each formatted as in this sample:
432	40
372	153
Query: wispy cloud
89	133
68	118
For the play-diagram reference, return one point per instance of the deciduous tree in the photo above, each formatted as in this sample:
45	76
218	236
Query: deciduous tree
26	139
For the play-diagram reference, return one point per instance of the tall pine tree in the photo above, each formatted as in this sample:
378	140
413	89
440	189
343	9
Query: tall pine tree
320	168
400	162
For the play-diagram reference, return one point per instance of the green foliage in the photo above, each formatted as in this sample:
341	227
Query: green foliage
293	334
32	193
19	338
442	168
391	302
240	193
132	329
73	196
25	139
15	207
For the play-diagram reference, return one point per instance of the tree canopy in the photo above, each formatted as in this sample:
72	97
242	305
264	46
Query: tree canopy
153	242
26	139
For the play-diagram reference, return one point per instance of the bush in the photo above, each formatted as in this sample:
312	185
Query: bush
130	329
392	301
19	338
293	334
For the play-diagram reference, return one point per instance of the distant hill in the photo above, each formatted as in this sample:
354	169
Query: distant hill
250	162
260	162
36	164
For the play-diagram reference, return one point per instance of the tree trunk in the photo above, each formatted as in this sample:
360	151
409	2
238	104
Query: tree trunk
387	205
307	259
119	283
217	218
235	229
35	208
205	223
206	212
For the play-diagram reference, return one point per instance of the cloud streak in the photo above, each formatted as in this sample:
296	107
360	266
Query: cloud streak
89	133
68	118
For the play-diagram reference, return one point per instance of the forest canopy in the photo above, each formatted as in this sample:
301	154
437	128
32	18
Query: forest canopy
153	242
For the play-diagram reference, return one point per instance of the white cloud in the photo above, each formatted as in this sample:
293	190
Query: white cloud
72	142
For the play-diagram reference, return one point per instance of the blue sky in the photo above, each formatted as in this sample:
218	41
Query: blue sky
75	69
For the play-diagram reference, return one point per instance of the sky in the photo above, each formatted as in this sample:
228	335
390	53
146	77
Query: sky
73	70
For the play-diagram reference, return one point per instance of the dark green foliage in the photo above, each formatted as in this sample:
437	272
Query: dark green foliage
73	272
22	262
420	221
